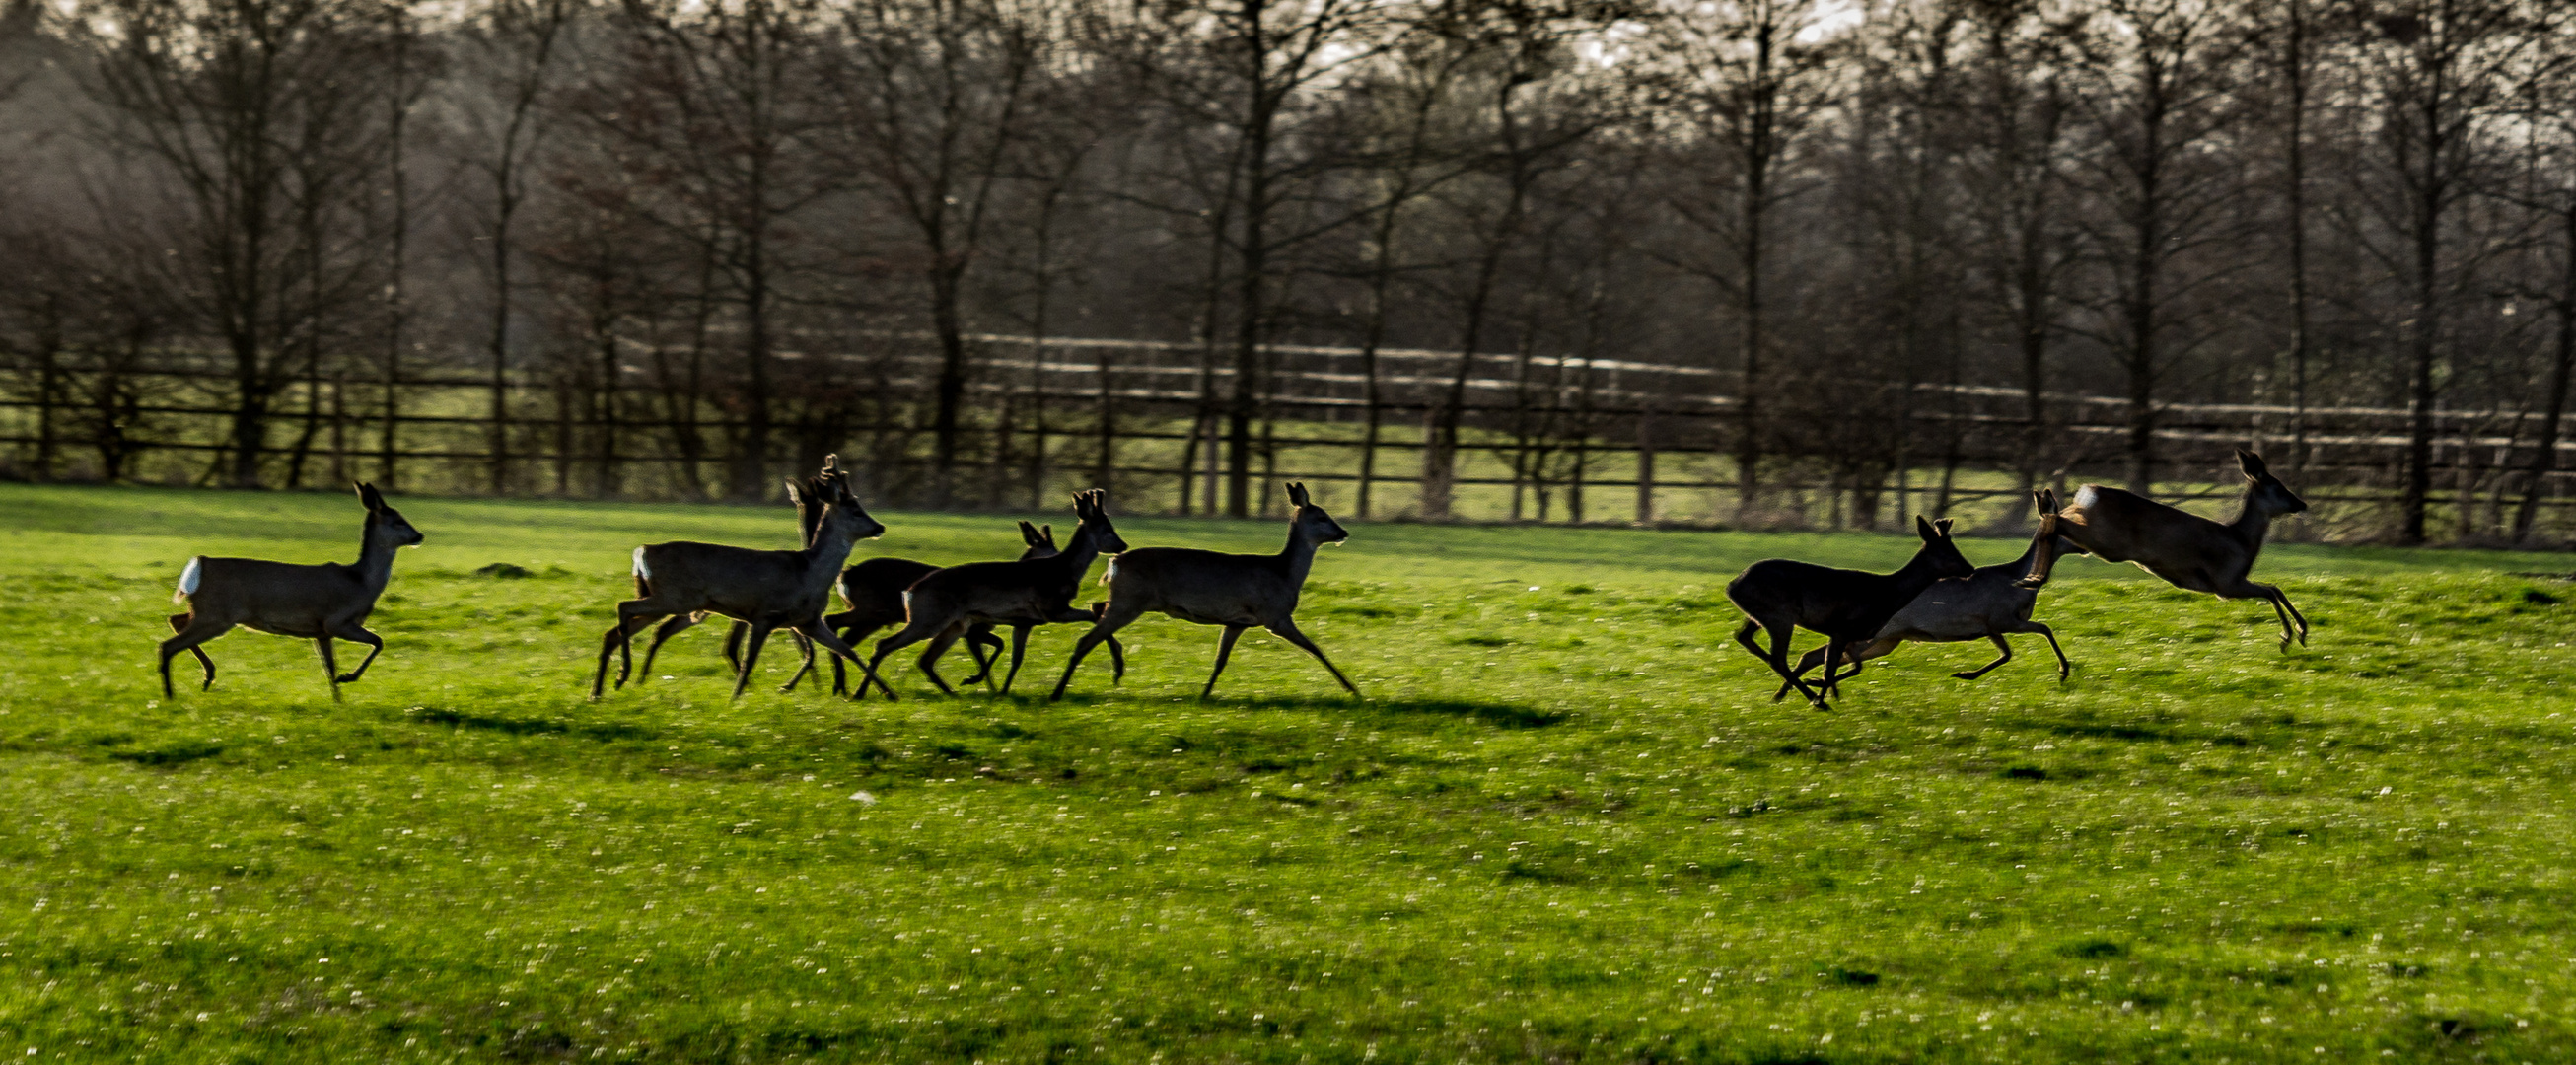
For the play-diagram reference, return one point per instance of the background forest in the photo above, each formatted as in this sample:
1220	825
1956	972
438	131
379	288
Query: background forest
1831	261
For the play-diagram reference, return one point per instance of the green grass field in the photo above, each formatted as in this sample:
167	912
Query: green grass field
1566	824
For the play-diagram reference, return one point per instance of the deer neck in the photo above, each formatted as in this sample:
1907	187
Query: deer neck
826	549
1299	556
375	563
1080	551
2252	525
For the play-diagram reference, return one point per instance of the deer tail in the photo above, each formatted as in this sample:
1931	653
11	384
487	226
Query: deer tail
188	579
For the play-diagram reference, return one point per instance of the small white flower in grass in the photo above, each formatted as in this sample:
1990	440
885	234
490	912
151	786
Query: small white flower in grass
863	798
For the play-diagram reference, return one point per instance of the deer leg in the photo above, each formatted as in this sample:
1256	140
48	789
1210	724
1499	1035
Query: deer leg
839	650
751	657
1287	630
1111	620
179	623
1777	657
805	644
2045	561
2063	666
1811	660
929	660
680	623
986	649
2002	645
1833	663
1019	648
2281	604
1860	651
631	615
1117	662
330	665
911	633
354	634
1224	650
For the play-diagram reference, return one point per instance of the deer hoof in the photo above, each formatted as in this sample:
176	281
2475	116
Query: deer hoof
1965	676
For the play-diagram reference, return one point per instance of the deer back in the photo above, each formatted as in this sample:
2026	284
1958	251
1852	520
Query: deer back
1205	587
2119	526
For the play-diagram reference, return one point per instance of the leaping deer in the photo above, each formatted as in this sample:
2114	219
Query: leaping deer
2189	551
1210	588
941	607
768	589
320	603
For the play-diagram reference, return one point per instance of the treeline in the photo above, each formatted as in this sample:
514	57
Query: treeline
749	231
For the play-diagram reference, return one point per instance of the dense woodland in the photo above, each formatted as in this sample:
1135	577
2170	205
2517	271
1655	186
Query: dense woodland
744	232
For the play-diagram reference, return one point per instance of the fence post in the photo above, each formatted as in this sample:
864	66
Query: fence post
1645	465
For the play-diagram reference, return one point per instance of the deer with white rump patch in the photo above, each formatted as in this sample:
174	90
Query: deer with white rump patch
2189	551
1781	596
1984	605
942	606
320	603
1209	588
768	589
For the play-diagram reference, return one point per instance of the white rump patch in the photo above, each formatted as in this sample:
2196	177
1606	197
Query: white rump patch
907	600
188	579
2084	497
1110	573
642	570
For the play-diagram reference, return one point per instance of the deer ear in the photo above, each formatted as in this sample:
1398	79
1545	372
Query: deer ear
794	494
1297	494
1942	524
1923	528
2251	463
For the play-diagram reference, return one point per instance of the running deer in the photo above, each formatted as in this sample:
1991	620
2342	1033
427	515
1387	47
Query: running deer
1209	588
809	517
2189	551
1781	596
319	603
941	606
1984	605
768	589
874	590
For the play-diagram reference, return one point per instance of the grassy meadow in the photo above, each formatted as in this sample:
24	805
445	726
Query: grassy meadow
1565	824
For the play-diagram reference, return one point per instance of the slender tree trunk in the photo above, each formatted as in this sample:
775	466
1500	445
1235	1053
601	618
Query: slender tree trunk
2296	63
2544	459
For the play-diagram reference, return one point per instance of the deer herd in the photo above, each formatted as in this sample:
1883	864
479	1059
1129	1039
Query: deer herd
1936	597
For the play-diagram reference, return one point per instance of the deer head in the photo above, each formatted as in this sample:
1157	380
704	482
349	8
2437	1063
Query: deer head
1311	521
2264	492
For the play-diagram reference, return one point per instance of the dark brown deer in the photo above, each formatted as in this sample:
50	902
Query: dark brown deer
1782	596
1984	605
1209	588
874	591
768	589
941	606
319	603
2189	551
809	519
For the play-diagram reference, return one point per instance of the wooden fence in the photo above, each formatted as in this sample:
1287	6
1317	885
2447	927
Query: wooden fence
1546	438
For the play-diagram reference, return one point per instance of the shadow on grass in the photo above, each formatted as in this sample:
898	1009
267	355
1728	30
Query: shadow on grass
431	715
1500	715
180	753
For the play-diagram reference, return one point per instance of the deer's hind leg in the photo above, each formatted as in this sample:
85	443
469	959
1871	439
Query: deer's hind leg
680	623
1778	656
1855	653
180	624
939	645
330	665
632	615
751	656
1112	618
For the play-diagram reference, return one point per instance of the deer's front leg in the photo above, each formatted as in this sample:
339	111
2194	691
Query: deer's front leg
354	634
840	650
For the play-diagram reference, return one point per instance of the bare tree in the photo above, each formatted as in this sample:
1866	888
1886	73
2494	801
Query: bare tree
215	100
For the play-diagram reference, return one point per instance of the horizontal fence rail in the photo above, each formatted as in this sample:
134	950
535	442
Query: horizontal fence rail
1548	437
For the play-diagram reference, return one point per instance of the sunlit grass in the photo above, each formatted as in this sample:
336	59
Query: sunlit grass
1566	824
